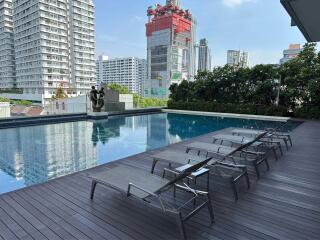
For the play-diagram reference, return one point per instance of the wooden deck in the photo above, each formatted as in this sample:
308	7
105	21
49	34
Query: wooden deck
284	204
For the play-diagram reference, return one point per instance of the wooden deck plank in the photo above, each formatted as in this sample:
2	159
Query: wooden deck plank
283	205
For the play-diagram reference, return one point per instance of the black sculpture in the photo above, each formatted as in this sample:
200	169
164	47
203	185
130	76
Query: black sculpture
97	99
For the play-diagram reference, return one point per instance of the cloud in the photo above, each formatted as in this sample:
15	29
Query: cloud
235	3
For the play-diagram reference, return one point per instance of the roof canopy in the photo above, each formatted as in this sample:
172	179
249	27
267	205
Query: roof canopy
305	15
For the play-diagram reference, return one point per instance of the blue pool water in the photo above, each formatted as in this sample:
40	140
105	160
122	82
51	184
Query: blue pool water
31	155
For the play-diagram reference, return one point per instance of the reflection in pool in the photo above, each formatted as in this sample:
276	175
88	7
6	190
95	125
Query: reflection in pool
31	155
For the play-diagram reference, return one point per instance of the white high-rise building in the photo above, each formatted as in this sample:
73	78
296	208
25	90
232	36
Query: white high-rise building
7	65
238	59
54	47
129	72
204	61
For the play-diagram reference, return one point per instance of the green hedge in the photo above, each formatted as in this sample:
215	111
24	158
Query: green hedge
12	90
17	102
308	112
311	113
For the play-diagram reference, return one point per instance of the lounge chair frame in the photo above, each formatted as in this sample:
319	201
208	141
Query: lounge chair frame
162	204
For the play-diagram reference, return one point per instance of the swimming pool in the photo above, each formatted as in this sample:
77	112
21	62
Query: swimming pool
31	155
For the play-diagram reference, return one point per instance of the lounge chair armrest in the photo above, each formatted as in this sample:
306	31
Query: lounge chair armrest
268	141
232	165
132	185
253	153
171	171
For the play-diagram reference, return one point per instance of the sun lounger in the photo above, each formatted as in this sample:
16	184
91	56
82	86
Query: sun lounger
144	186
222	170
261	136
219	171
280	135
246	157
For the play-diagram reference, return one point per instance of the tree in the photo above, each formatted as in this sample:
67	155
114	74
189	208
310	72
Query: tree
60	94
299	77
118	88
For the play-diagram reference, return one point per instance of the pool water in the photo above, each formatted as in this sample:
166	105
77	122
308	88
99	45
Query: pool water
31	155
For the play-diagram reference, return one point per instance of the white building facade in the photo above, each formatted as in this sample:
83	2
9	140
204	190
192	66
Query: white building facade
130	72
238	59
204	61
54	46
7	65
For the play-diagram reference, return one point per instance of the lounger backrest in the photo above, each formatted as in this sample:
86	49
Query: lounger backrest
187	172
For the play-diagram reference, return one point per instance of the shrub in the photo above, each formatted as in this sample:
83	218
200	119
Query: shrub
229	108
22	102
308	112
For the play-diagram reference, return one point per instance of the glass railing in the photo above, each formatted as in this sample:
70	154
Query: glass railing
72	105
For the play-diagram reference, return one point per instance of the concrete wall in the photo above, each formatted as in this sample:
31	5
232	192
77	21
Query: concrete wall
127	99
5	110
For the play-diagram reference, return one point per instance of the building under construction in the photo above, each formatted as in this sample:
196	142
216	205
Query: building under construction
171	48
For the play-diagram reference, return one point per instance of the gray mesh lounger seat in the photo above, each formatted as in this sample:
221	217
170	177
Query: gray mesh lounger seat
250	132
232	173
211	148
175	157
237	140
246	157
144	186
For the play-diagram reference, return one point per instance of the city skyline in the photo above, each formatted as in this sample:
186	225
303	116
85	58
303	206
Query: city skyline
226	24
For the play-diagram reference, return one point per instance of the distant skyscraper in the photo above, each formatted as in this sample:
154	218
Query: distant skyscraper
204	61
7	65
129	72
238	59
292	52
171	48
54	46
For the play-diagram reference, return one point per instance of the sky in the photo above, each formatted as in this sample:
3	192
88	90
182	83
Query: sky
261	27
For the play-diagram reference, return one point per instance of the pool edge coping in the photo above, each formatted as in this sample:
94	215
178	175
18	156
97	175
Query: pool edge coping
229	115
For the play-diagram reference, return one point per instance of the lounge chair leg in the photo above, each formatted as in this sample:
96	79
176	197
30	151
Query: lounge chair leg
181	227
280	148
234	188
153	166
267	163
275	153
247	179
286	143
256	167
289	137
93	188
210	209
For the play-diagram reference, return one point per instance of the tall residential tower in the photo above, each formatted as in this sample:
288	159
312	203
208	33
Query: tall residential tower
204	61
54	47
129	72
171	48
7	65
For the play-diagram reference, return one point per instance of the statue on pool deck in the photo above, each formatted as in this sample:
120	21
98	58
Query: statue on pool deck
97	99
